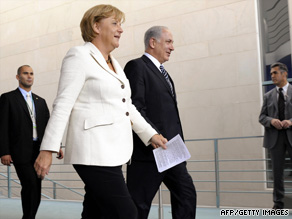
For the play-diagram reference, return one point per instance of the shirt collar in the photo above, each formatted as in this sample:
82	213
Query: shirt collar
154	60
285	88
24	92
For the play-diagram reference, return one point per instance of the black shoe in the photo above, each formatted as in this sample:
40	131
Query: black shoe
275	207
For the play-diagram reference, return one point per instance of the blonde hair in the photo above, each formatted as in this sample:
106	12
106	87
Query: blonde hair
96	14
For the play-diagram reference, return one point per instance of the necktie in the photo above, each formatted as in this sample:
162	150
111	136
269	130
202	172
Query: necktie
281	105
32	115
165	74
29	102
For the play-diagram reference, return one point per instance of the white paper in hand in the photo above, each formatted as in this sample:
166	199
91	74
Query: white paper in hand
175	153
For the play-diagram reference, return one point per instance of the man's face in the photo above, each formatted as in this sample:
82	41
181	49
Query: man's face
26	77
163	47
279	78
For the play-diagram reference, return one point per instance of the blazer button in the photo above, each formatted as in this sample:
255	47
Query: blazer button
122	86
124	100
127	113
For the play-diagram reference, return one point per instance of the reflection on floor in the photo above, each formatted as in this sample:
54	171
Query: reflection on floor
52	209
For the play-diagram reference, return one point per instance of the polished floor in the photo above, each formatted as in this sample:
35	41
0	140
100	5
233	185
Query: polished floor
11	209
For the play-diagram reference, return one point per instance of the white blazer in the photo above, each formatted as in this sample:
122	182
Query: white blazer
97	104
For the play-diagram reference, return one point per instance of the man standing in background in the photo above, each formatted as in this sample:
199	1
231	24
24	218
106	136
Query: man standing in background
153	94
23	120
276	117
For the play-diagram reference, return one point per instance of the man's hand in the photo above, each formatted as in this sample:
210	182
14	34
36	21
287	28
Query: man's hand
6	160
286	124
60	155
158	141
277	124
43	163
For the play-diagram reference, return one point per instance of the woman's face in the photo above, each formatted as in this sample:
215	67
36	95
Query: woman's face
109	31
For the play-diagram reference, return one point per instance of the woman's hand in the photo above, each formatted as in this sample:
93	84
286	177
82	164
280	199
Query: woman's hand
43	163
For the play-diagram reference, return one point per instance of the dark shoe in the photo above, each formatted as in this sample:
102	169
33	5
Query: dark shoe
275	207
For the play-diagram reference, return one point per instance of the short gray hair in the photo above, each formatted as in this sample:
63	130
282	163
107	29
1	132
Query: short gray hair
153	32
282	66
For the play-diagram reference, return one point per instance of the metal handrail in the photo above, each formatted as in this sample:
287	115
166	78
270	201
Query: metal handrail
216	171
9	179
63	186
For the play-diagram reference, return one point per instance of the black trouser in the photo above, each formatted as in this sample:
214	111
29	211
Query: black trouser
107	196
278	160
143	181
30	185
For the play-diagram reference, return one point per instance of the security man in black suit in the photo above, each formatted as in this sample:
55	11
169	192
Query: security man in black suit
23	120
153	94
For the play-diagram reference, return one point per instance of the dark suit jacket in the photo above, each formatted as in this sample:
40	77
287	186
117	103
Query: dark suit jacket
152	96
270	111
16	125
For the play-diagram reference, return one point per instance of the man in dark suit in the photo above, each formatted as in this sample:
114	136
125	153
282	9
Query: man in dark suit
24	117
153	94
276	117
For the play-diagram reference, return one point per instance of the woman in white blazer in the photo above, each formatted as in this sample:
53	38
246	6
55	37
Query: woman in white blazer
94	99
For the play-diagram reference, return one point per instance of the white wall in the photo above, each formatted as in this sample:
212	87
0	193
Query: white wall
215	65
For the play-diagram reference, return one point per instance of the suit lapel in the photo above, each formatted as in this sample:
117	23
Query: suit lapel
155	70
289	93
36	104
174	93
275	101
99	59
288	99
21	101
